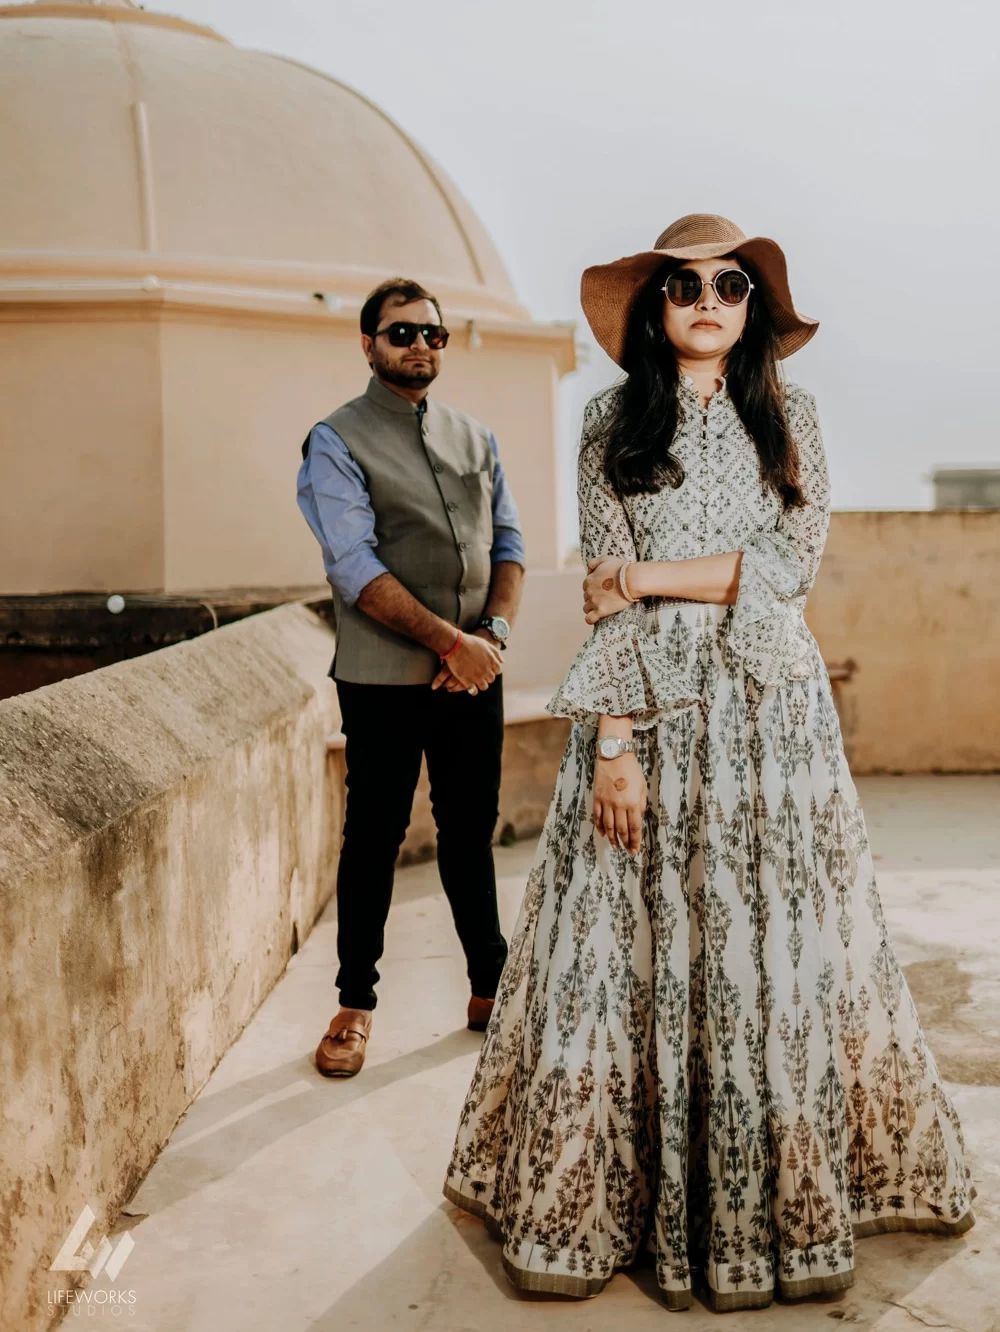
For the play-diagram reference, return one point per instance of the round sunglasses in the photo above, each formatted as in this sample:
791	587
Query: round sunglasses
404	334
684	287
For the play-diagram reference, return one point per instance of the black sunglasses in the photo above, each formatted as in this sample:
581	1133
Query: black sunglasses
684	287
404	334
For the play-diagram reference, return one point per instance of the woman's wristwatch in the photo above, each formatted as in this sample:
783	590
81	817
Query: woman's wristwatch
498	627
613	746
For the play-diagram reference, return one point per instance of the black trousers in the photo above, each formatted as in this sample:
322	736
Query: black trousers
388	728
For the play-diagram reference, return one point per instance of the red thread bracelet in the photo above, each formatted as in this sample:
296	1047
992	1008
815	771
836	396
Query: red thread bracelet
453	646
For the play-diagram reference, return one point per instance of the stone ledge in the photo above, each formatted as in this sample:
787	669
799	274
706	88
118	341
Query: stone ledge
81	753
169	833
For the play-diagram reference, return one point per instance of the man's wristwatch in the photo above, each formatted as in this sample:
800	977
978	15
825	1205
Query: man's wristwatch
498	627
613	746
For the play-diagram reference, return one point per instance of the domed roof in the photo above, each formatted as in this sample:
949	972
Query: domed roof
130	132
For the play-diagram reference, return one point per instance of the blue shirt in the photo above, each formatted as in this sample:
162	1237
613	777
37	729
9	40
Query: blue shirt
334	499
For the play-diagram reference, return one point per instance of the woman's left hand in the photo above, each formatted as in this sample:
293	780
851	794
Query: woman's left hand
601	596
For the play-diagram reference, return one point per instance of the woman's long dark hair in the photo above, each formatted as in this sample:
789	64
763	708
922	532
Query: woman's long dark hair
638	432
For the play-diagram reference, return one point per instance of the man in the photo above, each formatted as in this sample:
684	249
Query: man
423	550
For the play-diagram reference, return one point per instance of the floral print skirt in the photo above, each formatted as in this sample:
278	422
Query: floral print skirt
708	1051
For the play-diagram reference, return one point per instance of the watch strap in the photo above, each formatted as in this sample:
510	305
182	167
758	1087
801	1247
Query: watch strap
624	746
487	623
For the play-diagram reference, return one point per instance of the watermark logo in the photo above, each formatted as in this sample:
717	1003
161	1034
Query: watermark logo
105	1258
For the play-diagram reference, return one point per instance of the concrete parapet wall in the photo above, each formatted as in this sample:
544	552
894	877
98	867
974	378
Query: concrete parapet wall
913	599
169	830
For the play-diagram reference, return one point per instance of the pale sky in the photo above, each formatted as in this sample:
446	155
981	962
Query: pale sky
860	136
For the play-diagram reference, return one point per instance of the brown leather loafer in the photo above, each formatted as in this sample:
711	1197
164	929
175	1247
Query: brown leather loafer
479	1013
341	1052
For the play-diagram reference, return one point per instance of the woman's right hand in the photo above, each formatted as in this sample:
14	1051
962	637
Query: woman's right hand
620	798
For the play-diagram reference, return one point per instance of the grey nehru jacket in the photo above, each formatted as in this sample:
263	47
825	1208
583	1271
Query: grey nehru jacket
430	487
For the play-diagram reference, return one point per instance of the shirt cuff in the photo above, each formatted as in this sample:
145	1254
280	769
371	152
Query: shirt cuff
508	546
352	573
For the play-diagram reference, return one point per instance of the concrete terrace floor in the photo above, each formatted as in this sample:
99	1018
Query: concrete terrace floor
288	1201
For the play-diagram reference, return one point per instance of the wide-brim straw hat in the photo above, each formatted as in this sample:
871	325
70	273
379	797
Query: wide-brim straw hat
608	291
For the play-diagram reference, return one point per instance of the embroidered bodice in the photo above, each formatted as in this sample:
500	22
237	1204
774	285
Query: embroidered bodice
629	663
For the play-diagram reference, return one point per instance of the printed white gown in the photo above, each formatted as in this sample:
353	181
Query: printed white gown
708	1050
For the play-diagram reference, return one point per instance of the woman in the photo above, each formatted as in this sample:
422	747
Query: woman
703	1045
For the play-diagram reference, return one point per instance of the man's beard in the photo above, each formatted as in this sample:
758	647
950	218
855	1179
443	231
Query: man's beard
414	376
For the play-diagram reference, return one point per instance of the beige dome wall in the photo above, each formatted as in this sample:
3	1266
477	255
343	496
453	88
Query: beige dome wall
248	156
81	487
171	205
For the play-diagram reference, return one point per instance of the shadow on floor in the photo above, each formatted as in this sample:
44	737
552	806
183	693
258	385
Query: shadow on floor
222	1131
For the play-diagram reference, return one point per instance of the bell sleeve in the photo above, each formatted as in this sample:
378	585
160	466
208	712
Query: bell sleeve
779	567
619	669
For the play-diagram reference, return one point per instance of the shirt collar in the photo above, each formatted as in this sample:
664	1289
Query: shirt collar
686	379
689	397
392	401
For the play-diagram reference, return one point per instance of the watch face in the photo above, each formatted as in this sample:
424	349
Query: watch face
609	747
498	626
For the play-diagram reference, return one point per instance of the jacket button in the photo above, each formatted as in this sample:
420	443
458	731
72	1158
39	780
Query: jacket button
461	591
462	545
438	467
452	506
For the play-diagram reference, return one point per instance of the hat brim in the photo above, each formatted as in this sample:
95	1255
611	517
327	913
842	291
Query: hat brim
608	291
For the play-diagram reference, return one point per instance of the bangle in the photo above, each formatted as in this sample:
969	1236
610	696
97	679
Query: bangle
622	585
453	646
